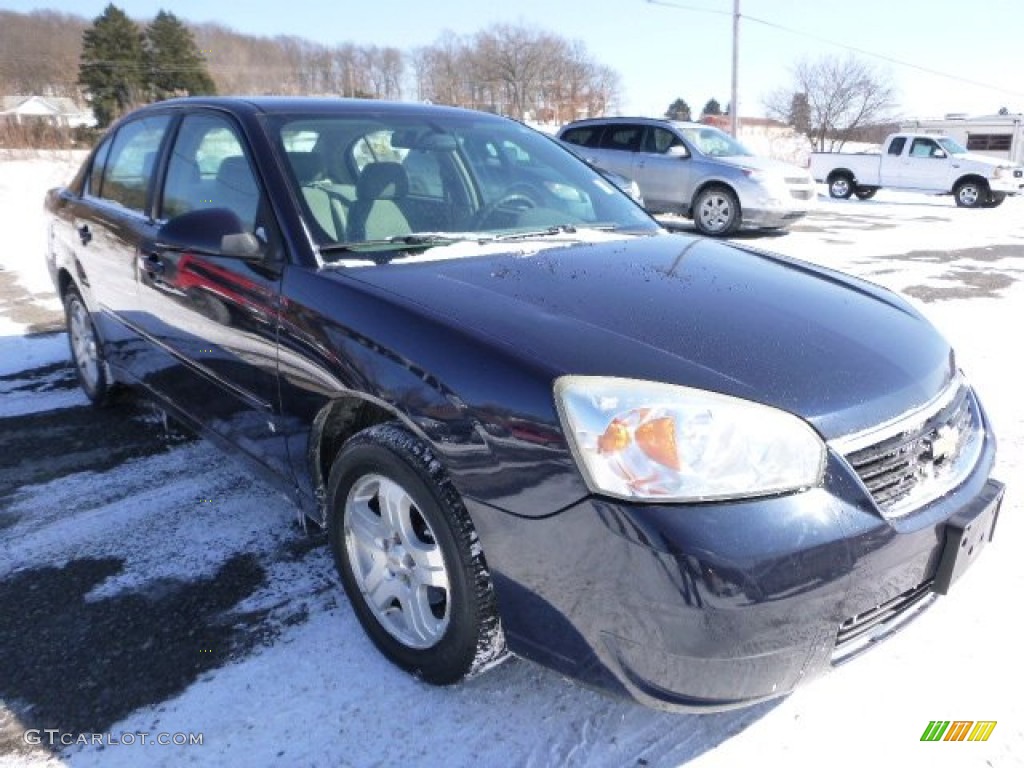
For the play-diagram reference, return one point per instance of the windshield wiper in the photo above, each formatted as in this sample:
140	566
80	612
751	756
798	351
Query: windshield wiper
385	249
555	229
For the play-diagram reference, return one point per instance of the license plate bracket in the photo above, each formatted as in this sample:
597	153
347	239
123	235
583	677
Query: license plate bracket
966	534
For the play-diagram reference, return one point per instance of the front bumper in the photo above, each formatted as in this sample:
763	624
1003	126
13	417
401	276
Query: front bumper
716	606
1011	185
771	218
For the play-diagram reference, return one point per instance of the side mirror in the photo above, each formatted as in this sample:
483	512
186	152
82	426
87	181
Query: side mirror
216	231
677	150
939	153
244	245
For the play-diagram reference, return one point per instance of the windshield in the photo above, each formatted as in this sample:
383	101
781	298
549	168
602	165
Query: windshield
951	147
713	142
370	180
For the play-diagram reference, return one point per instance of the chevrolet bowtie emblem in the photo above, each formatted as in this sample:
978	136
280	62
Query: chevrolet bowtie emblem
944	443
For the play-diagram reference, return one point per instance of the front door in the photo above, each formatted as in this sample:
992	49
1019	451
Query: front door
662	171
213	317
925	166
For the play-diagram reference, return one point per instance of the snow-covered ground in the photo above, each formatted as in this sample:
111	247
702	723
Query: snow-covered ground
238	624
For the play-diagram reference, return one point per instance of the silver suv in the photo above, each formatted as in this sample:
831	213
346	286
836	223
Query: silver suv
695	170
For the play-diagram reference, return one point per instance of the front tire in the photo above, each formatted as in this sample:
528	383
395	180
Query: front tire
716	212
995	199
971	194
409	558
865	193
86	349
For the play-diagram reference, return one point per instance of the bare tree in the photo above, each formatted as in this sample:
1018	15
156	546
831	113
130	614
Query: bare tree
833	97
515	70
39	53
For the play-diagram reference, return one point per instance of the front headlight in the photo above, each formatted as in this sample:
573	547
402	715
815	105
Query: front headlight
660	442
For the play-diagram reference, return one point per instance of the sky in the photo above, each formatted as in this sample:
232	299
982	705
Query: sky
943	56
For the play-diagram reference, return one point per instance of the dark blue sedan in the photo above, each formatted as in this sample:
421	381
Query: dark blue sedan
530	420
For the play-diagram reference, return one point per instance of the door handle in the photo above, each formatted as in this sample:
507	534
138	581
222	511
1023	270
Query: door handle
84	234
151	264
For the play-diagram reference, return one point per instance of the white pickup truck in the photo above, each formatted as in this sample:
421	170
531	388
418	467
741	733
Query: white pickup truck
923	163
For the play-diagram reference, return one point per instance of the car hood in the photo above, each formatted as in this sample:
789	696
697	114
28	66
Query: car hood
842	353
764	164
986	160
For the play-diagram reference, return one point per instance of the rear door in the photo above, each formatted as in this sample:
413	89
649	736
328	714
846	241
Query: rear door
110	219
214	317
620	143
890	168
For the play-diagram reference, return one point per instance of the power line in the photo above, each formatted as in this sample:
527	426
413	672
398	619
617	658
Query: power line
837	44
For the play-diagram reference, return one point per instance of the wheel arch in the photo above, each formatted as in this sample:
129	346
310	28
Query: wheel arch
970	177
337	421
64	281
837	173
710	184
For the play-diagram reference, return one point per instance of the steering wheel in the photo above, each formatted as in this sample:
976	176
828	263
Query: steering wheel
515	200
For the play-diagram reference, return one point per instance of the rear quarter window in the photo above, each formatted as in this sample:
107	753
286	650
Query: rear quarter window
584	136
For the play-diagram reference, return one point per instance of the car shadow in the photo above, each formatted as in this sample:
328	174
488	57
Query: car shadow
686	227
78	665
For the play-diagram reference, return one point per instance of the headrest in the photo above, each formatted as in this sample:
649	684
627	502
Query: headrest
234	172
307	166
382	181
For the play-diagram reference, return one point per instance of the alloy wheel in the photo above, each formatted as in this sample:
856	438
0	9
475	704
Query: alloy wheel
396	561
83	344
716	213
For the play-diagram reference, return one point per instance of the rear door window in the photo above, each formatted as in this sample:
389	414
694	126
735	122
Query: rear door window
624	137
584	136
130	167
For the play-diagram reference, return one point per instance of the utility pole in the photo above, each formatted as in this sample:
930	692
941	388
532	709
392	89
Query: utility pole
734	106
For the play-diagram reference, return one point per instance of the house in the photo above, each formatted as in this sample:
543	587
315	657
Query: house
58	111
999	136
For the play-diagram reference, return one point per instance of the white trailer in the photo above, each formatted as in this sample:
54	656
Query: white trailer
999	136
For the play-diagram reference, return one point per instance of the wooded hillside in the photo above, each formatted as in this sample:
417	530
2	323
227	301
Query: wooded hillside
515	70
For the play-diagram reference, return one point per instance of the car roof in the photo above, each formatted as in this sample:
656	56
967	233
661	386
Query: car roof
327	105
635	119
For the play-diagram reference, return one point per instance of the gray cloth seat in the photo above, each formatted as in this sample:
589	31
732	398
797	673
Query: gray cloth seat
236	189
377	213
330	210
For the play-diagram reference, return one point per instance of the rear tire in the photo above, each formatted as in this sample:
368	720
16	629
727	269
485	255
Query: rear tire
840	186
716	211
995	199
86	349
971	194
410	559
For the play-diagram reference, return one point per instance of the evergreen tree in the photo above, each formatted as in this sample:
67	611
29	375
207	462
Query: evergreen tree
175	65
678	110
712	107
112	68
800	113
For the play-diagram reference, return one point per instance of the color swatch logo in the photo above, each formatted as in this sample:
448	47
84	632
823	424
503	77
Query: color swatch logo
958	730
